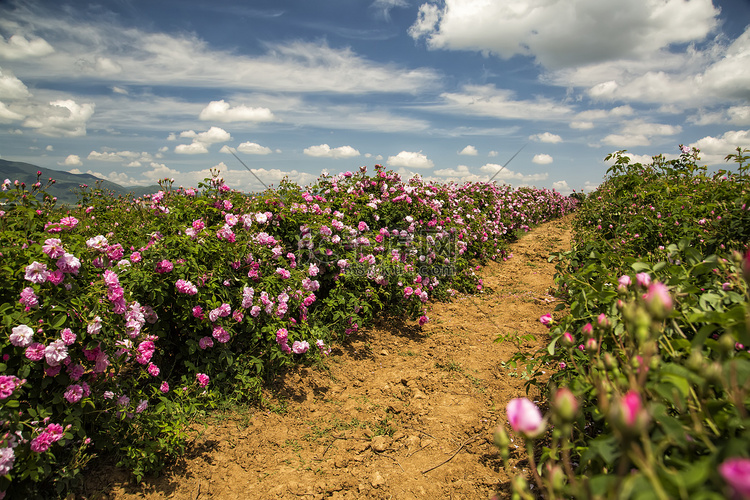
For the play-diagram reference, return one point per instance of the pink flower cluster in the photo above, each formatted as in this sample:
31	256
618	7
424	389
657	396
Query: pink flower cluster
186	287
52	434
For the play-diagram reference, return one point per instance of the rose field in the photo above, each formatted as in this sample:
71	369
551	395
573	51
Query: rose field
127	322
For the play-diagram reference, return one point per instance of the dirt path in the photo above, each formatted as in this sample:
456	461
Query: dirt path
400	413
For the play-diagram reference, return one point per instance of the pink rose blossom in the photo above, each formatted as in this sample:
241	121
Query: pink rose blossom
525	417
74	393
643	279
21	336
205	342
736	472
202	379
36	272
546	320
300	347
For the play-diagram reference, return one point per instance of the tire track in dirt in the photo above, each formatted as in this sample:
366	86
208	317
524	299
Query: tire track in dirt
398	412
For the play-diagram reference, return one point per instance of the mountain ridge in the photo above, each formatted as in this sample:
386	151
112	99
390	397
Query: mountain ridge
66	184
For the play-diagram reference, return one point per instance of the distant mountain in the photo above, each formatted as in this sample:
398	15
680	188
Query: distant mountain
66	184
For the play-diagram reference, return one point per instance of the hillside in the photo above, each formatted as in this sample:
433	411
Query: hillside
66	184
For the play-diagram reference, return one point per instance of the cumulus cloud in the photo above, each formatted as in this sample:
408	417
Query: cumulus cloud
64	118
581	125
72	161
132	158
557	34
562	187
7	115
201	140
326	151
503	174
11	88
195	148
18	47
252	148
542	159
408	159
715	149
459	174
546	137
639	133
468	151
221	111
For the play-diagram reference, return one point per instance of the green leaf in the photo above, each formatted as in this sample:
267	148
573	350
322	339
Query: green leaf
639	267
59	320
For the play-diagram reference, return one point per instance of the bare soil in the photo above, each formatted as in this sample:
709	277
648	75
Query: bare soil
398	412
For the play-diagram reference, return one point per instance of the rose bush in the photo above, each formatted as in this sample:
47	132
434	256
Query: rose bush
124	318
655	345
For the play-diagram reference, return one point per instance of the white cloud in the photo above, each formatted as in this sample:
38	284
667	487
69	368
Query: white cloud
132	158
487	100
201	140
7	115
626	140
639	133
18	47
408	159
459	174
143	57
160	171
503	174
325	151
542	159
72	161
242	180
492	154
546	137
63	118
562	187
49	148
195	148
715	149
559	34
120	90
581	125
468	151
221	111
252	148
11	88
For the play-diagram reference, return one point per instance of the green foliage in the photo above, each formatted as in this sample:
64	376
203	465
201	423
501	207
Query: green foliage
655	347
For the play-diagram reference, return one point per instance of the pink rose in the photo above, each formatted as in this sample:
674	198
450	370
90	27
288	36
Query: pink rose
525	417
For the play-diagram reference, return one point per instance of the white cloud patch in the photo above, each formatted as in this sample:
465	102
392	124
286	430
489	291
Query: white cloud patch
542	159
546	137
195	148
468	151
63	118
715	149
242	180
487	100
639	133
201	140
128	158
71	161
562	187
18	47
564	34
409	159
459	174
11	88
581	125
221	111
122	55
503	174
7	115
120	90
251	148
326	151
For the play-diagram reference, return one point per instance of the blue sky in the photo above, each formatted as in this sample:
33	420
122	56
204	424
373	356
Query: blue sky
137	90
